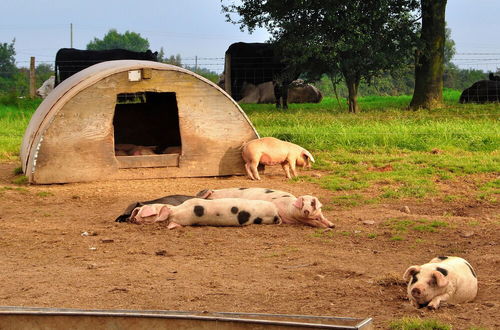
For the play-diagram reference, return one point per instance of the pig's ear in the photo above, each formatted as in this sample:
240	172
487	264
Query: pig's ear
147	211
299	203
134	213
440	278
410	272
308	155
204	194
317	203
164	213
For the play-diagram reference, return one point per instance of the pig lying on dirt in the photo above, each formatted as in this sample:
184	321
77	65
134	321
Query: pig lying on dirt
302	210
220	212
271	151
449	279
173	200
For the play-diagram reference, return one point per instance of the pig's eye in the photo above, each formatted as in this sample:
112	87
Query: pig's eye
433	282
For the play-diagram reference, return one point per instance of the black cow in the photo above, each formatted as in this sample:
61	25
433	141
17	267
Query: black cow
482	91
69	60
256	63
493	77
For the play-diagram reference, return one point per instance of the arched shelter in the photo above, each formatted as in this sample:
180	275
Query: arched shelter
189	126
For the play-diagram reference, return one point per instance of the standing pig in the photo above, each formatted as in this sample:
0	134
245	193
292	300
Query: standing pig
221	212
450	279
271	151
302	210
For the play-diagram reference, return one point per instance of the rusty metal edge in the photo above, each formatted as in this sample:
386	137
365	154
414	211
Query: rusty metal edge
190	315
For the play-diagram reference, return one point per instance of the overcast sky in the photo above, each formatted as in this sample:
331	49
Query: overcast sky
198	28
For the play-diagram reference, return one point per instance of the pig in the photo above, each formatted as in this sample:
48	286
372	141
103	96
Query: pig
272	151
443	279
293	210
173	200
134	150
203	212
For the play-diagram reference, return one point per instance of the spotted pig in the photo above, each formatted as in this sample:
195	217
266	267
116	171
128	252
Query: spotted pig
304	209
443	279
202	212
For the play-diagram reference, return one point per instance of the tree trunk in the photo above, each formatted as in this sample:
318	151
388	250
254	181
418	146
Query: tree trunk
352	82
429	61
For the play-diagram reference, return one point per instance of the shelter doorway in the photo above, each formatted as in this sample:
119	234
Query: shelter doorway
146	124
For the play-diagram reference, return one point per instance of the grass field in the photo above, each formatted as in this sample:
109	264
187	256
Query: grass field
384	143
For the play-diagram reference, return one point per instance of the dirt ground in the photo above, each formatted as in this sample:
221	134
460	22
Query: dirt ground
60	247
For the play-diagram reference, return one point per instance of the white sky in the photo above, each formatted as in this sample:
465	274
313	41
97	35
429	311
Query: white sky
198	28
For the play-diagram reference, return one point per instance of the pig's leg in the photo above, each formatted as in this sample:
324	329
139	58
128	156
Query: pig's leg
434	303
286	168
292	167
249	171
253	169
173	225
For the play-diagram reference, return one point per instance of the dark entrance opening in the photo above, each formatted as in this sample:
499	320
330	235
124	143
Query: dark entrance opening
146	123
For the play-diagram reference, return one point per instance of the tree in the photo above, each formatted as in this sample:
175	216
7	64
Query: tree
430	56
129	40
352	39
8	67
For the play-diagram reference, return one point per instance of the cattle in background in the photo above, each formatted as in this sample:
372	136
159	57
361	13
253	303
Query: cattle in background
256	63
481	92
491	76
298	92
46	88
70	61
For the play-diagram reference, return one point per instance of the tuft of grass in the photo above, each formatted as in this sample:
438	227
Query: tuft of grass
44	194
18	170
412	323
20	180
372	235
397	238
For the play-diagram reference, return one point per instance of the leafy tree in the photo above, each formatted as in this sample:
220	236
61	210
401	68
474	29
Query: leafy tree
174	60
129	40
8	67
430	56
352	39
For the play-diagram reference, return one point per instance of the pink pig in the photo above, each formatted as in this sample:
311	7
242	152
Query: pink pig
293	210
272	151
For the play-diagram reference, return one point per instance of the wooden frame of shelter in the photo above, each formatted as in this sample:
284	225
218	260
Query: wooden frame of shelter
73	135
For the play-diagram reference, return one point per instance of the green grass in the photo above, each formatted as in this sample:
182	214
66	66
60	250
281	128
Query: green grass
412	323
386	150
13	123
403	152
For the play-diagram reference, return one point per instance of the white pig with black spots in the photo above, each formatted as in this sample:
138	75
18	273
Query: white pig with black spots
203	212
443	279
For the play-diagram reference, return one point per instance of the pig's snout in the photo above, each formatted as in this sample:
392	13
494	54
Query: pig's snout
277	220
306	213
416	292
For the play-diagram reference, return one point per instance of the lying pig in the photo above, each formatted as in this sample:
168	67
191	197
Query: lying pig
134	150
173	200
449	279
220	212
294	210
271	151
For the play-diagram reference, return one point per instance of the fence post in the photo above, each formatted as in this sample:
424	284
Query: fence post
32	77
227	73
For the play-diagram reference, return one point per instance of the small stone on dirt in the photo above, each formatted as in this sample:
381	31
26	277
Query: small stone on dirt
406	209
107	240
316	175
161	253
467	234
368	222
